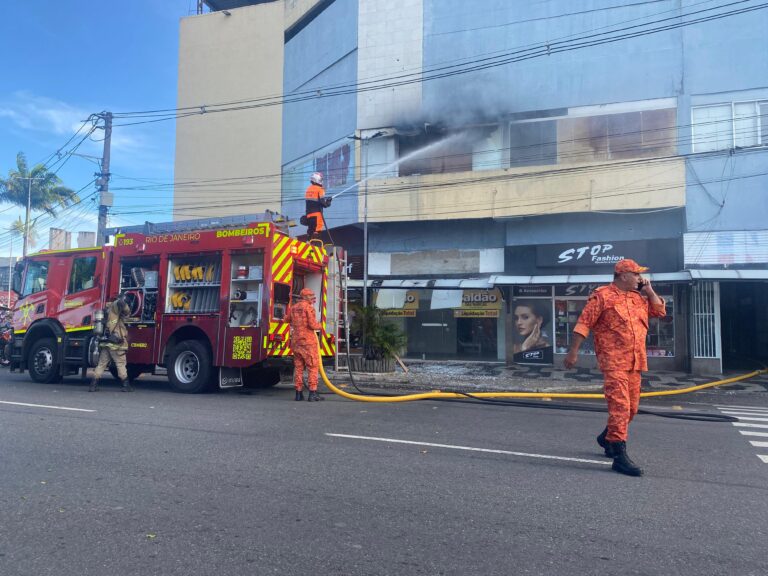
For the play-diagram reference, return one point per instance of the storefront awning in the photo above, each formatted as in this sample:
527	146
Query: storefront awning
446	284
582	279
501	280
730	274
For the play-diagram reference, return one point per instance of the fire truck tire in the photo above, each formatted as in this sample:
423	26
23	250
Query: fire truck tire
261	377
190	368
43	361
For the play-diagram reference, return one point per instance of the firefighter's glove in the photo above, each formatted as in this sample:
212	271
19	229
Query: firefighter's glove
326	201
114	339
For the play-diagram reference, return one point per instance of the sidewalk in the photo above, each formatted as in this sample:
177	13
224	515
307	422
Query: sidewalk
494	376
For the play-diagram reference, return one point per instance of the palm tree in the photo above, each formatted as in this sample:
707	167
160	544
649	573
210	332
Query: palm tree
381	339
17	231
36	188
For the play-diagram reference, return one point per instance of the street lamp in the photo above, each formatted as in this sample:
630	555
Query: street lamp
365	209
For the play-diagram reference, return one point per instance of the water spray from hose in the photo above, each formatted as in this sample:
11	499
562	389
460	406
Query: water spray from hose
410	156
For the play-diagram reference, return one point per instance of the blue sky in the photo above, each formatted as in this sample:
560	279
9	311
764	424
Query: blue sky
63	60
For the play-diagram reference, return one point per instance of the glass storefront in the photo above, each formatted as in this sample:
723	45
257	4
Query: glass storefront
447	324
477	325
570	301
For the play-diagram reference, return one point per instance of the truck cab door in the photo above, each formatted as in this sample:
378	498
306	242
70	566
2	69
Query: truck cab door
33	297
82	293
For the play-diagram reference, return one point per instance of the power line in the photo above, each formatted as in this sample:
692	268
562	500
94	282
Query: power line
538	51
563	158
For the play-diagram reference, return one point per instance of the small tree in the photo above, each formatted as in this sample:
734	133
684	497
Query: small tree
381	339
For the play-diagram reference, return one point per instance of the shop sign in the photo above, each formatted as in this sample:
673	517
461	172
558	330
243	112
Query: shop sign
589	253
398	313
410	305
528	291
726	248
576	290
481	299
584	290
467	313
531	335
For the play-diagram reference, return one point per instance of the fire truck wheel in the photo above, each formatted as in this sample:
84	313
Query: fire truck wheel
43	362
189	367
261	377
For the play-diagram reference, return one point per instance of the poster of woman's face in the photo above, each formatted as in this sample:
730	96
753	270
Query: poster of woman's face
532	330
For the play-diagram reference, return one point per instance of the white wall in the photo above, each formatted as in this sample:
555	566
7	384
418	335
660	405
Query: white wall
390	38
224	59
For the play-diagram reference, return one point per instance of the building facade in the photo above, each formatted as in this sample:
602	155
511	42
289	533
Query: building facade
490	161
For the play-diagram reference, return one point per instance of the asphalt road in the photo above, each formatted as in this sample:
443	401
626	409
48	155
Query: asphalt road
155	482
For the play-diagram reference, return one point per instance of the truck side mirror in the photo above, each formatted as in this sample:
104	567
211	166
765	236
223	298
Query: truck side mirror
17	273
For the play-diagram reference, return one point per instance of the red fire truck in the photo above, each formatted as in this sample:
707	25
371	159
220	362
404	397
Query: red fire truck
206	304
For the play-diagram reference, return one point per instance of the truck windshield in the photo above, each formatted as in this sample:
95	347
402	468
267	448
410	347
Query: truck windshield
36	279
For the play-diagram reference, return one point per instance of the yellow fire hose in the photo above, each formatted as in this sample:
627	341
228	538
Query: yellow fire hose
440	394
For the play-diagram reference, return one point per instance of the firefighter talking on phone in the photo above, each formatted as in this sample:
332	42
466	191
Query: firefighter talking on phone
618	315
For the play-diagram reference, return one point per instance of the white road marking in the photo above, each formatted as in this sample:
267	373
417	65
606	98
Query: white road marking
739	407
748	433
748	418
469	448
49	407
749	413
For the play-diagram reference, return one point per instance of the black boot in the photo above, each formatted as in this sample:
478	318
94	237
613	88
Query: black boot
604	444
299	395
314	397
94	387
621	461
126	386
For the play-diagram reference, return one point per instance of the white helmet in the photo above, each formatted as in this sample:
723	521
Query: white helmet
316	178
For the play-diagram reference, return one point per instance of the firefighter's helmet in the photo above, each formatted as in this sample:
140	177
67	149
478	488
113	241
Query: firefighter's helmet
307	294
316	178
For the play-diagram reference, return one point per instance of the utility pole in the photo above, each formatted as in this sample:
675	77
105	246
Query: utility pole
10	271
105	197
364	143
29	209
26	219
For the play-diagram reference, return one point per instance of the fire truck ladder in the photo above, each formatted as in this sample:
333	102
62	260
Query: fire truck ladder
340	307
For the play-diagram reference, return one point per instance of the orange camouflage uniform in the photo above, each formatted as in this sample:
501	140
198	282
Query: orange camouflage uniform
303	321
619	321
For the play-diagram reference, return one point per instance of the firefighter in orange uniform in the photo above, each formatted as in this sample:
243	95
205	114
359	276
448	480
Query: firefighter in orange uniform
303	321
618	315
316	200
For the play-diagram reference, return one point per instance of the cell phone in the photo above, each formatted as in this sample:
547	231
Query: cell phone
640	283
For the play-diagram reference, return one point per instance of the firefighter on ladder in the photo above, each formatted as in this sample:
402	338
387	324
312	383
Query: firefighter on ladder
303	322
316	200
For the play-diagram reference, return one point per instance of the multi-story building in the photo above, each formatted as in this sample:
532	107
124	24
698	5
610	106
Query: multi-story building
491	160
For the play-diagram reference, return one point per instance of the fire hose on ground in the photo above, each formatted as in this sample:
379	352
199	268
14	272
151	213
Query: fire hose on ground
500	397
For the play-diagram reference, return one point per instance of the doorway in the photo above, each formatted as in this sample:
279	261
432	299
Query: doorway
744	324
